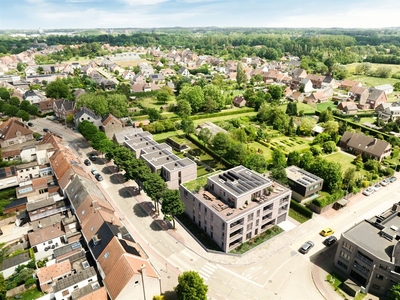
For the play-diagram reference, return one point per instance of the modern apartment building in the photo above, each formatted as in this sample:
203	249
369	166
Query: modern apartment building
235	206
369	252
303	184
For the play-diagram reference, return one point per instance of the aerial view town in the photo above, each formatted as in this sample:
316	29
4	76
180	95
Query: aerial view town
199	150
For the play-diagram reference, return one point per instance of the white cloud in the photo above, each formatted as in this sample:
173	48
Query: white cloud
142	2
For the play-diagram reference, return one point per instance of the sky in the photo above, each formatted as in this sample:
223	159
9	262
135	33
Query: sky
53	14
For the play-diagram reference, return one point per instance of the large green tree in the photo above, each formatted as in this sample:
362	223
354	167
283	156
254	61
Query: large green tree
194	95
220	143
241	77
4	94
155	186
58	89
184	109
205	135
172	205
191	287
213	95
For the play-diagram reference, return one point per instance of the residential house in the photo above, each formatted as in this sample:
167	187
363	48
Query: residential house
348	84
49	275
296	97
30	71
387	88
33	97
143	88
139	79
45	239
8	155
9	265
108	84
15	206
359	94
90	292
236	206
321	95
390	111
14	131
111	125
183	72
86	114
306	85
298	74
128	75
64	288
239	101
303	184
375	98
46	106
62	108
45	207
328	81
145	69
316	80
78	93
126	271
157	78
167	72
351	109
368	252
119	137
358	143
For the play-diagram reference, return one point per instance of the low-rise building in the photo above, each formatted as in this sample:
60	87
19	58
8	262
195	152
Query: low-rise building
9	265
234	206
369	252
13	132
303	184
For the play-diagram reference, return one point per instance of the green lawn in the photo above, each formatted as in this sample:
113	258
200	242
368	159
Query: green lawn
373	81
352	67
343	159
161	137
301	107
30	294
325	105
266	152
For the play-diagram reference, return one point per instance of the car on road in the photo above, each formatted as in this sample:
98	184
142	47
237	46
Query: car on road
377	187
368	191
94	171
39	138
306	247
385	182
392	179
45	129
330	240
92	157
98	177
1	232
87	162
30	124
326	232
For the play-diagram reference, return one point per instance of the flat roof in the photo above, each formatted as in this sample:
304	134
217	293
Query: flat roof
377	235
301	176
160	158
64	283
138	143
156	147
134	135
239	181
179	164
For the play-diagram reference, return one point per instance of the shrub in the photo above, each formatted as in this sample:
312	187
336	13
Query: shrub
301	209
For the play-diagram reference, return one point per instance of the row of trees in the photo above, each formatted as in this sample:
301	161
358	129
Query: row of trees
135	169
13	107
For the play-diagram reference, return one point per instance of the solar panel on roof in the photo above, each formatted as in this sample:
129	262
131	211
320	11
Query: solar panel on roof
233	188
75	245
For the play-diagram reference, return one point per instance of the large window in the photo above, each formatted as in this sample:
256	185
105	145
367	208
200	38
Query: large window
348	246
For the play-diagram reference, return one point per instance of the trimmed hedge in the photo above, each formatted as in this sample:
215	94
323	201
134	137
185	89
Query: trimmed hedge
328	199
221	114
301	209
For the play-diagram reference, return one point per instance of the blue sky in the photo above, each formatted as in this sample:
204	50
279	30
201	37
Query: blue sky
32	14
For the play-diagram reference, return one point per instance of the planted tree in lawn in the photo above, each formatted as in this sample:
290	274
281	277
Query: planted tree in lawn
172	205
191	287
155	186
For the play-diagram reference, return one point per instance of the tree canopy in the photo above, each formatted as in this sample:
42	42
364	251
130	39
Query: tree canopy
191	287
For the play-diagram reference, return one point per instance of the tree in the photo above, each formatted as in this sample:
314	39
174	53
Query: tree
293	158
220	143
184	109
33	110
306	160
205	135
239	135
154	114
291	109
329	147
94	101
396	86
278	159
10	110
23	115
395	292
191	287
275	91
213	94
24	105
240	75
97	138
3	286
256	162
172	205
154	186
58	89
279	174
383	72
14	101
163	96
325	116
187	126
4	94
194	95
236	153
349	178
87	129
117	105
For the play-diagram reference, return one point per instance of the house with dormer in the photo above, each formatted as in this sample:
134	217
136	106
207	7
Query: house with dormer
86	114
183	72
375	98
62	108
33	97
14	131
358	94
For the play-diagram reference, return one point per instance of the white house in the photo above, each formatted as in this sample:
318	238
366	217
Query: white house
307	85
387	88
45	239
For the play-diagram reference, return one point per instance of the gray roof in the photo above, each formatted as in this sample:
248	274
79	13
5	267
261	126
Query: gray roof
89	112
79	188
239	180
179	164
365	144
301	176
119	137
16	260
74	279
86	290
66	249
67	105
374	94
30	206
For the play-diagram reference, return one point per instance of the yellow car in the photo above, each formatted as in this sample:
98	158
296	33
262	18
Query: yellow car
326	232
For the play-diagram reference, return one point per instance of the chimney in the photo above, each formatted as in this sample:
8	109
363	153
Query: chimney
375	141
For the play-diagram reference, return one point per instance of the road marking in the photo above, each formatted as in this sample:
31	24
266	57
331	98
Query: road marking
277	269
251	272
207	271
240	276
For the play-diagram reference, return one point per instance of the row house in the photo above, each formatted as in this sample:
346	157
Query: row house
13	132
62	108
86	114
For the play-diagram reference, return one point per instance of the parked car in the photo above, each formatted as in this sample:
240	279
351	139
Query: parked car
392	179
306	247
377	187
45	129
39	138
330	240
326	231
385	182
98	177
1	232
87	162
94	171
30	124
92	157
368	191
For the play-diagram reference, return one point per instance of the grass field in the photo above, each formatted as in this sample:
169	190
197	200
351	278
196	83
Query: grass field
301	107
373	81
325	105
352	67
342	158
224	118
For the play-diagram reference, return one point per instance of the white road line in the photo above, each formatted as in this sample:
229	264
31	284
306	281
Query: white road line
240	276
277	269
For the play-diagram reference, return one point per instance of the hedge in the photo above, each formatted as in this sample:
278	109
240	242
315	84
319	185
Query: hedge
328	199
301	209
221	114
144	94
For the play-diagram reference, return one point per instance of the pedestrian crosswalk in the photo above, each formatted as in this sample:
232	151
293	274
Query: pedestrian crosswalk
207	271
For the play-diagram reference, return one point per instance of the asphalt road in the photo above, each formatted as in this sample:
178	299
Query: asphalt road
275	270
